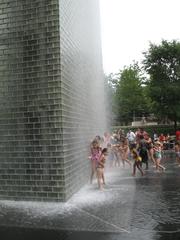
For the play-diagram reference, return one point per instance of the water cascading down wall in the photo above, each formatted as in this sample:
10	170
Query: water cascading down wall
51	96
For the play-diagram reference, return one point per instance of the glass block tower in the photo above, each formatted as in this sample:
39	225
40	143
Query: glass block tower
51	96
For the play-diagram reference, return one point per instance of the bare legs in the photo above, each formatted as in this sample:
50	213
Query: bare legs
151	155
158	165
93	170
138	165
100	178
125	159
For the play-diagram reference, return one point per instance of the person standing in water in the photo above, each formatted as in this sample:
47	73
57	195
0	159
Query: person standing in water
158	156
150	148
124	152
137	161
100	168
95	154
143	152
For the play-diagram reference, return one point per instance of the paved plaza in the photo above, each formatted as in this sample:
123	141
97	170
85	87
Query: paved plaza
146	208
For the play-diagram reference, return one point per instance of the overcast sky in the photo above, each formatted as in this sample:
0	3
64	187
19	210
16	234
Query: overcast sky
129	25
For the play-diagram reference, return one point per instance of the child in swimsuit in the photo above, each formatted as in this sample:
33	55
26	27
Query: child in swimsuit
158	156
95	154
137	162
100	168
150	149
124	152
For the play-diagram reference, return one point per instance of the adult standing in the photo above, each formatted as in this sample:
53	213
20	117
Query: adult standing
131	137
140	134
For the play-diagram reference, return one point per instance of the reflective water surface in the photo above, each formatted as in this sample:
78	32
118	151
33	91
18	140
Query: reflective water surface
138	207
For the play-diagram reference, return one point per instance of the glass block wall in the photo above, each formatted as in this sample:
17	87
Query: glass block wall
51	96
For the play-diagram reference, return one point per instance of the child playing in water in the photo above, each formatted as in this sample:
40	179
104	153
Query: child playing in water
95	154
149	144
137	161
143	152
124	152
100	168
158	156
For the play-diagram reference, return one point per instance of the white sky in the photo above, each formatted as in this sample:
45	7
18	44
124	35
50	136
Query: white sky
129	25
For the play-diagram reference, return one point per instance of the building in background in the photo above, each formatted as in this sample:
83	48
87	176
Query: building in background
51	96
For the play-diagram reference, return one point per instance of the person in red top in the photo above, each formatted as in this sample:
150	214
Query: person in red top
178	134
162	138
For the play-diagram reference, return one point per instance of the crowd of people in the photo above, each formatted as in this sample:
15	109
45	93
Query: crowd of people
135	149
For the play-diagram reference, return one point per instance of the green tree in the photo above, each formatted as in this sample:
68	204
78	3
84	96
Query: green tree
129	96
162	63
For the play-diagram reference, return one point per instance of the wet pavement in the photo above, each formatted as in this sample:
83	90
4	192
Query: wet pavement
146	208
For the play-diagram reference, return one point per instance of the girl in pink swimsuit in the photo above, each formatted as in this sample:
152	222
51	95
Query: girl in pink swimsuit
95	154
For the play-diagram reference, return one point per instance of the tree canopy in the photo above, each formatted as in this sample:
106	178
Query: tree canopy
162	63
157	91
129	96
